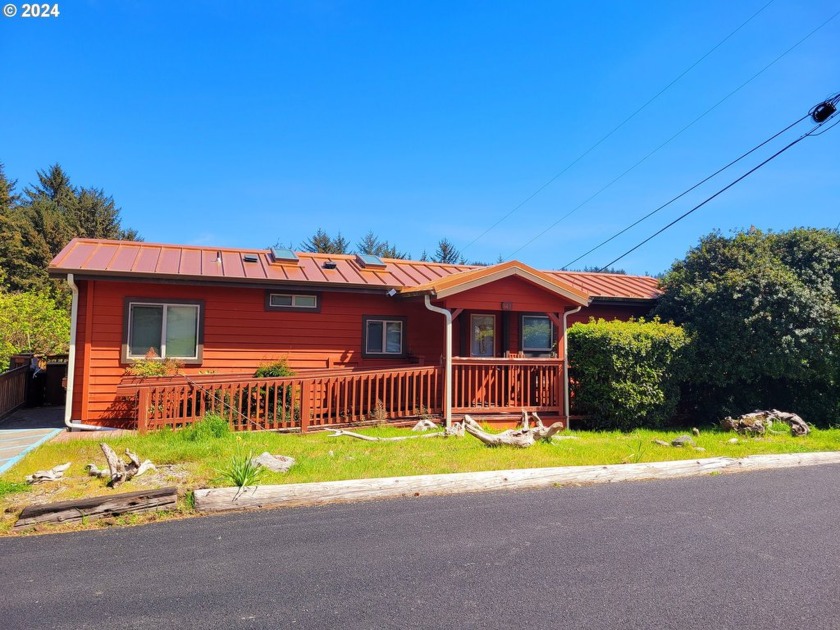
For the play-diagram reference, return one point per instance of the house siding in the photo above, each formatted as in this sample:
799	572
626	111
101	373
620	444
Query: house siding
239	335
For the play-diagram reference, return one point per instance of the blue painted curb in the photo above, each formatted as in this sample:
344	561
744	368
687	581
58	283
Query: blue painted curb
4	467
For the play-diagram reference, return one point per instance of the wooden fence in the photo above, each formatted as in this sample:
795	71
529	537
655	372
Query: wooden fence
302	402
13	389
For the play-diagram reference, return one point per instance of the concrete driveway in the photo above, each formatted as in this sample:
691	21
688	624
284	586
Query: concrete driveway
26	429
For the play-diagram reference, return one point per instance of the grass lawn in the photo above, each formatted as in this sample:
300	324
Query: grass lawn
194	459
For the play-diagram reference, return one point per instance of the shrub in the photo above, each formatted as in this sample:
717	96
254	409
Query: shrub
152	365
763	309
282	402
625	375
277	369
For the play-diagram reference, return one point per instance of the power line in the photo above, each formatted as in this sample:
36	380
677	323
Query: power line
669	140
685	192
708	199
619	126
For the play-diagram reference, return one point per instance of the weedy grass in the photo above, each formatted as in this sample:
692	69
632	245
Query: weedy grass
242	471
193	458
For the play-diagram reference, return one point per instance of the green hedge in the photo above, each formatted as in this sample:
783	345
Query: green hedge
626	375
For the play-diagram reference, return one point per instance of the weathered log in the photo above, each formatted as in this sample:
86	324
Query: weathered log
115	465
95	471
323	493
520	438
92	508
370	438
53	474
758	422
424	425
798	426
119	470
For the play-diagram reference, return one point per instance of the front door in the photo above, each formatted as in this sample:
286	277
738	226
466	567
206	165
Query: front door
482	335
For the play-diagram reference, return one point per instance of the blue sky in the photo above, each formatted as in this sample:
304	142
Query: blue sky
244	123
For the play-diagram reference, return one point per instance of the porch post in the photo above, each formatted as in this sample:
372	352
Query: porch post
566	363
447	377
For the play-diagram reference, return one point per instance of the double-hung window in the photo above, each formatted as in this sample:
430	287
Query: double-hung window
169	330
537	334
384	336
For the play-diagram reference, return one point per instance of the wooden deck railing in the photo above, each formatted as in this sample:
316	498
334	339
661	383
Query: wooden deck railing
305	401
336	397
13	389
507	385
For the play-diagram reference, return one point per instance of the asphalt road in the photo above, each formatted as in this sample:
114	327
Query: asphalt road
752	550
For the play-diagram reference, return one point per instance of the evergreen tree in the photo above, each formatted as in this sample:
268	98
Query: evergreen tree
447	253
95	215
54	185
370	244
8	198
323	243
38	226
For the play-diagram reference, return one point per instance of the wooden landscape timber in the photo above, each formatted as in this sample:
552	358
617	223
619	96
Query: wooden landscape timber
92	508
522	438
758	422
323	493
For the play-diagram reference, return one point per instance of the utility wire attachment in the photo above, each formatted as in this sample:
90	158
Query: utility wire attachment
825	110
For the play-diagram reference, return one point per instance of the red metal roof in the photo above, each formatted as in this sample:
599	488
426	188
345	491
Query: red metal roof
131	259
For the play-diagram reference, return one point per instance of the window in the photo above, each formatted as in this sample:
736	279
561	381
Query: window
482	335
537	334
384	336
292	302
170	330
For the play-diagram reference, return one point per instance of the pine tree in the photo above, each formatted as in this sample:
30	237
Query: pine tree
33	229
447	253
370	244
323	243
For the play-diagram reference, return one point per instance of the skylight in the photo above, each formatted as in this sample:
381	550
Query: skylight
369	261
283	255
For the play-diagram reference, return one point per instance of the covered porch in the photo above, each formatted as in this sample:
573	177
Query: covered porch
505	339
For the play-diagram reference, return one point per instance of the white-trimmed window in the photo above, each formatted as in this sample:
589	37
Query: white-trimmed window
169	330
383	336
301	301
537	334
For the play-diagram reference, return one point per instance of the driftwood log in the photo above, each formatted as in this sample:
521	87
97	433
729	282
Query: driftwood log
424	425
326	492
522	437
759	422
91	508
53	474
370	438
119	470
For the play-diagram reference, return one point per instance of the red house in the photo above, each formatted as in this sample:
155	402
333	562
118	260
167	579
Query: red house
368	338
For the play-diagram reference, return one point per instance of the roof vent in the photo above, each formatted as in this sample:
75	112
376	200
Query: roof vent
370	261
283	255
329	264
250	258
